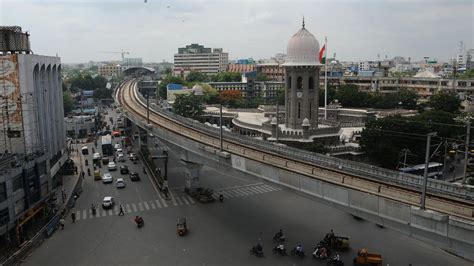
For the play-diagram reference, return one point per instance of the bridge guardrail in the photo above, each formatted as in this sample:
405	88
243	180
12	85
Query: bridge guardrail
337	164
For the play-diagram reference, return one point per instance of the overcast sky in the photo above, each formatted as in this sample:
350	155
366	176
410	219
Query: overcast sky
78	30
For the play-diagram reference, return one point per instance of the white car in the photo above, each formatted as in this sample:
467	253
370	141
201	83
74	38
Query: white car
120	183
96	156
108	202
121	157
107	178
117	146
111	166
119	150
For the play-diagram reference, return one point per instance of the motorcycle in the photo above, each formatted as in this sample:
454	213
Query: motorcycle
221	198
294	252
139	221
256	251
93	210
321	252
280	250
334	261
279	237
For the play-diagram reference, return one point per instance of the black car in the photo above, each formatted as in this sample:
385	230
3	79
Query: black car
134	176
124	169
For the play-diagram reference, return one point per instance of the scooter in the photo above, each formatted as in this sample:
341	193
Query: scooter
258	253
279	250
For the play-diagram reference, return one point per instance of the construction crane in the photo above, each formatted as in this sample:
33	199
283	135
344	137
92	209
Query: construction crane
121	52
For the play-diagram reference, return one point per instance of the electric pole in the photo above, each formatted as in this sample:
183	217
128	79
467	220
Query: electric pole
425	175
466	154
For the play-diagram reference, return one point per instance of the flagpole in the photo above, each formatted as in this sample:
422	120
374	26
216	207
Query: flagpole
326	80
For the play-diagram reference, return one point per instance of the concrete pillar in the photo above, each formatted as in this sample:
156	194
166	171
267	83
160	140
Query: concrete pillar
191	173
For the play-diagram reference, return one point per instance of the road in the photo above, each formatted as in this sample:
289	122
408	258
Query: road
219	233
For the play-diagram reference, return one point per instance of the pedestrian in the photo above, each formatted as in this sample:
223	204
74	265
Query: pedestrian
73	216
61	222
121	210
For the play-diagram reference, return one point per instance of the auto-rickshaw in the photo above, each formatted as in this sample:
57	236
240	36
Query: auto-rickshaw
181	226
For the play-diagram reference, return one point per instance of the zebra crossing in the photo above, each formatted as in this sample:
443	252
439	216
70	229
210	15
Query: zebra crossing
135	207
246	190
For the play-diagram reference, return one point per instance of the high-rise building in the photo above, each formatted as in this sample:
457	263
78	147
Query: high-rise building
32	131
132	61
110	70
198	58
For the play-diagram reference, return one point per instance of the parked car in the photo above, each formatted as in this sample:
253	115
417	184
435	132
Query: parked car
111	166
107	178
120	157
134	176
119	150
124	169
120	183
108	202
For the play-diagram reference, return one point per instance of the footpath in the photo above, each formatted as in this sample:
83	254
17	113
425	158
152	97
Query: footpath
65	200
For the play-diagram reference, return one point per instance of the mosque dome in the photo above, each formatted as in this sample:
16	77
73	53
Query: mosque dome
197	90
306	123
302	49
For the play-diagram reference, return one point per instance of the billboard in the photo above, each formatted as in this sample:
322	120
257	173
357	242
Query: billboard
10	96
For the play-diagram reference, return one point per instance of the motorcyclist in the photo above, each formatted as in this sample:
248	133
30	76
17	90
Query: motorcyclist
280	247
221	197
299	249
279	234
93	209
88	171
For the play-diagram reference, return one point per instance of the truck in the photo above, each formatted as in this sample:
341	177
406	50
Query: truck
366	258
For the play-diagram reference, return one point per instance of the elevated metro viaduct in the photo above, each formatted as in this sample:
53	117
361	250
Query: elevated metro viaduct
385	197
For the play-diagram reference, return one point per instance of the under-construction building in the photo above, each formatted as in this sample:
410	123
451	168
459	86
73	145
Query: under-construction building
32	132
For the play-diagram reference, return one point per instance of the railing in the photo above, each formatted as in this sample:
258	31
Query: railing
336	164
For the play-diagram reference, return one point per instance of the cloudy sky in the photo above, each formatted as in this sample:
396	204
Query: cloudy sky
79	30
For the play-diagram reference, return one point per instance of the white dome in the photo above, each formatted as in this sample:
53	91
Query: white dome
274	121
197	90
302	49
306	123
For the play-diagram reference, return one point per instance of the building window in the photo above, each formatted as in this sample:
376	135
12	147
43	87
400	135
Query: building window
311	83
17	183
299	109
289	83
3	192
4	217
299	83
310	108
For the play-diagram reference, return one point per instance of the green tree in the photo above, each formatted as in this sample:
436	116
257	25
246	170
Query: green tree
445	101
211	95
332	94
407	98
350	96
188	105
227	77
68	102
103	93
195	76
469	74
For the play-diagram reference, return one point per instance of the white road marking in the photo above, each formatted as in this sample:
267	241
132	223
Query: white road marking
179	201
255	190
251	192
269	187
190	199
140	206
158	203
146	205
164	203
152	205
174	201
134	207
110	212
241	190
185	200
129	210
78	215
262	190
84	214
116	209
104	213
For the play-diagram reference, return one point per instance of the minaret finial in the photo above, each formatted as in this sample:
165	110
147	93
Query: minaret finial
303	22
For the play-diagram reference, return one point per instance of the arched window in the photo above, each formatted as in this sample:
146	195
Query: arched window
289	83
311	83
299	109
310	109
299	83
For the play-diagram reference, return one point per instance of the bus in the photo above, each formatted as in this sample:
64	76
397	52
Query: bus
435	170
107	148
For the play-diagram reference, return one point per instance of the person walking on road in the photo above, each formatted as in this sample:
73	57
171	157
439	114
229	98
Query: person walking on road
61	222
73	216
121	210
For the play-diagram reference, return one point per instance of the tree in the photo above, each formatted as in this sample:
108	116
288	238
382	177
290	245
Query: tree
350	96
469	74
227	77
68	102
231	98
102	94
195	76
331	95
261	77
188	105
211	95
167	80
445	101
85	81
407	98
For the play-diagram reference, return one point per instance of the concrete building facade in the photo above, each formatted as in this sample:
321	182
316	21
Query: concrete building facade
110	71
196	57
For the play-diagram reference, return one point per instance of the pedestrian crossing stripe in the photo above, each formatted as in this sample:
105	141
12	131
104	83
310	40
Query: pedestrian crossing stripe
177	200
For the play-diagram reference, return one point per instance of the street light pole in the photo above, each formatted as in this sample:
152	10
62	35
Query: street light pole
276	133
466	154
425	175
147	109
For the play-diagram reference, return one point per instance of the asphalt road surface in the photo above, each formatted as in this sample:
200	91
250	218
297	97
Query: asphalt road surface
219	233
